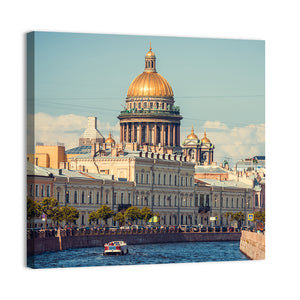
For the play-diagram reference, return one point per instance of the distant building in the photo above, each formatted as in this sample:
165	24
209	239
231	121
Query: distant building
91	134
253	163
201	152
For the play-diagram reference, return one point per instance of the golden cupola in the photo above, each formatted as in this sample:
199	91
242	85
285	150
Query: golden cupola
110	139
150	83
205	139
192	135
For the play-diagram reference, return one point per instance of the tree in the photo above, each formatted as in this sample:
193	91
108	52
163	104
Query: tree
120	218
105	213
70	214
259	216
146	214
48	206
93	216
34	209
239	217
132	213
57	215
229	216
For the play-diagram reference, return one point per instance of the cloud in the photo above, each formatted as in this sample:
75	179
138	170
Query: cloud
232	144
66	129
215	125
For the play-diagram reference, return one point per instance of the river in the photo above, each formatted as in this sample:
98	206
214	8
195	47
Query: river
188	252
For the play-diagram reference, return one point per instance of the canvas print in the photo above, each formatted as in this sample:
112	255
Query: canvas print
144	150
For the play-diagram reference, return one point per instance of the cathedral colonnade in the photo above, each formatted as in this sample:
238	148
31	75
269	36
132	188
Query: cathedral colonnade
165	134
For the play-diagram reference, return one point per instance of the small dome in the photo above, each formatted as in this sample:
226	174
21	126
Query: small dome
205	139
192	135
150	53
110	140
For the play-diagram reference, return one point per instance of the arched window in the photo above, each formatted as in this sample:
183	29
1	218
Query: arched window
158	178
170	180
82	197
75	197
164	179
175	180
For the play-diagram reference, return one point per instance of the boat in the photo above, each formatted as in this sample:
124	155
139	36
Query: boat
115	248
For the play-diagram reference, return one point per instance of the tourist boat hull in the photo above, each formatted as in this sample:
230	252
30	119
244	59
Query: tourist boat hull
115	248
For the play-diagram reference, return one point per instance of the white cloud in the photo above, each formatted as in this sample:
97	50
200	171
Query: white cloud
66	129
234	143
215	125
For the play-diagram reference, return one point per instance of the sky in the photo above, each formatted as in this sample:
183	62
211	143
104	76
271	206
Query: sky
219	85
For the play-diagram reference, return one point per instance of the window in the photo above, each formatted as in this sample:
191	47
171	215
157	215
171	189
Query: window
191	181
67	196
114	198
37	190
31	190
237	202
256	200
129	200
136	177
90	198
207	200
57	196
158	200
170	180
153	178
97	198
242	202
181	181
82	197
48	192
106	198
75	197
122	198
227	202
164	179
142	178
158	178
147	179
145	104
175	180
42	190
231	202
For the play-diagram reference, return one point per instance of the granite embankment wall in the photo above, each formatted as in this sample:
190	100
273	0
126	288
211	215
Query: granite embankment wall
252	244
43	244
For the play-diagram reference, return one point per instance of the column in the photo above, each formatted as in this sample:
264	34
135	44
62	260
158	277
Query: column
127	132
148	134
140	133
133	133
169	134
174	135
162	135
178	135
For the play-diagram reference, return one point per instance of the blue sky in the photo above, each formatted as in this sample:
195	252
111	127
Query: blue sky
219	85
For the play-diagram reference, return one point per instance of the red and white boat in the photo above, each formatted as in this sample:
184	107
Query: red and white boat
115	248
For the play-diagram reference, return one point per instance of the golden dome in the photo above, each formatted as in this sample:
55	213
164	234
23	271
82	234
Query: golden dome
205	139
110	139
150	84
192	135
